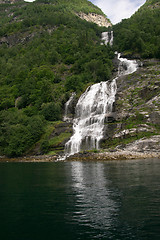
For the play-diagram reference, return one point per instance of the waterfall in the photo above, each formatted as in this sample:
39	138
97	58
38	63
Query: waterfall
126	66
107	37
67	105
93	107
91	110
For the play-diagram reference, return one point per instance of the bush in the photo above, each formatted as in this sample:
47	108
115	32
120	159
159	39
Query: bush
18	132
74	83
51	111
44	146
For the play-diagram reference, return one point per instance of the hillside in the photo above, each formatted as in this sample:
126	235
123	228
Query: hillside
140	34
46	52
135	125
50	49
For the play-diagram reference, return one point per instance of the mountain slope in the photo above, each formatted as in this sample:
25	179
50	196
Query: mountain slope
141	33
136	116
46	52
136	125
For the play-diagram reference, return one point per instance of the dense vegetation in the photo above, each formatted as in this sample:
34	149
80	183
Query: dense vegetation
140	34
46	53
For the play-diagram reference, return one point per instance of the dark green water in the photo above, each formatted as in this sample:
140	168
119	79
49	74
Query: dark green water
70	201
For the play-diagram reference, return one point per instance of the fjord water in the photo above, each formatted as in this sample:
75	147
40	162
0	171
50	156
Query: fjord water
116	200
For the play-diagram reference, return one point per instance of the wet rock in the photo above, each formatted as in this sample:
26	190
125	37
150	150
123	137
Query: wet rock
70	106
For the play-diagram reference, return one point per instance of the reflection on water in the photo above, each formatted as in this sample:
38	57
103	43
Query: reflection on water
116	200
94	200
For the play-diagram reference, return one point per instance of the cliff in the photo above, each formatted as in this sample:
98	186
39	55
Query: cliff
135	121
95	18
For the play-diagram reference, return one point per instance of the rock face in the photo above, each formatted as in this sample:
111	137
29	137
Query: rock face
22	38
95	18
136	121
70	108
143	145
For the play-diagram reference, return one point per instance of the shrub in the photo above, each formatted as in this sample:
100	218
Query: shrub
51	111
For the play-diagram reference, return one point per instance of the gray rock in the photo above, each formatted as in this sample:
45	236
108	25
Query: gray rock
155	118
143	145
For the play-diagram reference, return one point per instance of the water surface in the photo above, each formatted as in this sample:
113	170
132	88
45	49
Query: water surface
80	200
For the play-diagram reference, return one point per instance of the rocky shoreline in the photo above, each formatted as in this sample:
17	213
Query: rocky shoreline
117	155
87	156
39	158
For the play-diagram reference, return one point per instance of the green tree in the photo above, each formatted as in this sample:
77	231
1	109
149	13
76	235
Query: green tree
51	111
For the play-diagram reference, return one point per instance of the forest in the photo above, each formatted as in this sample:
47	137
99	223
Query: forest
140	34
46	53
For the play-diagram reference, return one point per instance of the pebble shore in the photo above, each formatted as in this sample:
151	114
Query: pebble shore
87	156
118	155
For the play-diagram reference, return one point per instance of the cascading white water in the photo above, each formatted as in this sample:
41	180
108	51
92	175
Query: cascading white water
66	117
126	66
107	37
92	109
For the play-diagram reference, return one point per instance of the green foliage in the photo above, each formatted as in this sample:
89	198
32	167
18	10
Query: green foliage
51	111
52	143
46	52
74	5
18	132
140	33
74	83
59	139
44	146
